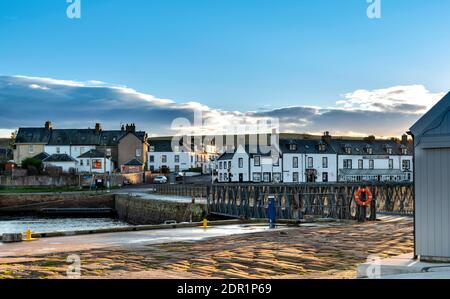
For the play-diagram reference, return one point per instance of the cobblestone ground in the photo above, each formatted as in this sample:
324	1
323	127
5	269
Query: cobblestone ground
331	251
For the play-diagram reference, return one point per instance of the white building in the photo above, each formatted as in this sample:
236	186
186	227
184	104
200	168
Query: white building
64	161
94	161
163	157
320	160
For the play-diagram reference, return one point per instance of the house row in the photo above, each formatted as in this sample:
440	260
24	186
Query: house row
323	160
84	150
169	154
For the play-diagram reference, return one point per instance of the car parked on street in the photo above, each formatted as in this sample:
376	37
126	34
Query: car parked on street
160	179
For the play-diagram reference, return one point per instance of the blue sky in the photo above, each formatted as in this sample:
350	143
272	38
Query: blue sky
231	55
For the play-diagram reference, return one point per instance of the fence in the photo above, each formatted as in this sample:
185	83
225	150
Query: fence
298	201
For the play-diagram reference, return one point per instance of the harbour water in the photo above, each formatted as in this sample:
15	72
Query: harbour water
44	225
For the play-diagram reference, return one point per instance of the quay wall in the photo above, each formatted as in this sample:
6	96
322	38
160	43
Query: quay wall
140	211
33	203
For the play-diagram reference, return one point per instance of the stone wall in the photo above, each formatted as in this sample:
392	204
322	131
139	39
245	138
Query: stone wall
140	211
38	180
33	203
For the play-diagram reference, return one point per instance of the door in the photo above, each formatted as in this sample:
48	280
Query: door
241	177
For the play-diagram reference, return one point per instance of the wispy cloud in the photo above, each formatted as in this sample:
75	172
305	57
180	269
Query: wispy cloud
29	101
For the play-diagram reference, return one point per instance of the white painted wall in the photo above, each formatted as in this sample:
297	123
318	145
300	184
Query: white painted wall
72	150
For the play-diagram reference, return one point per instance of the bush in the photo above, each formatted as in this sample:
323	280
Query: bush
30	163
196	169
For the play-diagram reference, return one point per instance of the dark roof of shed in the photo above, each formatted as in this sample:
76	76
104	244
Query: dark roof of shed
33	135
59	158
93	153
436	112
133	162
41	156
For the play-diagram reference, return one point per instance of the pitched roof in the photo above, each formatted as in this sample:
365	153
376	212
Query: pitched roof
305	146
74	137
142	136
93	153
359	147
33	135
438	111
41	156
133	162
59	158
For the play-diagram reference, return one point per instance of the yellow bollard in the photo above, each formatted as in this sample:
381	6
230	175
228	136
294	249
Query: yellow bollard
205	223
28	235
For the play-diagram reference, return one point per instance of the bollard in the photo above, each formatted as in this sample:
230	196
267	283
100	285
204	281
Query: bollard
28	235
272	211
10	238
205	223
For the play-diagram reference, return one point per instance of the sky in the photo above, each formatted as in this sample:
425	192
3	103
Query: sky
314	65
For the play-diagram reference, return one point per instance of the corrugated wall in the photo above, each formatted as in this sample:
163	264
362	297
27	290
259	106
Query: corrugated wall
432	201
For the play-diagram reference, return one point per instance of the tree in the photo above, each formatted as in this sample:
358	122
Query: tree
31	163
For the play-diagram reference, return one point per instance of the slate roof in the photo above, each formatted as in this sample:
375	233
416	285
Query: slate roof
33	135
41	156
59	158
133	162
164	145
435	113
74	136
359	147
93	153
226	156
305	146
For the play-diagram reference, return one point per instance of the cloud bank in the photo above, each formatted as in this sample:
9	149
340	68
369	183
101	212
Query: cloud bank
30	101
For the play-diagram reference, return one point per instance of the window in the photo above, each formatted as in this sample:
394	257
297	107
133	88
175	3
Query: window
220	177
406	165
391	164
152	159
371	164
292	147
241	162
310	162
164	158
404	151
81	162
58	150
325	162
152	168
88	162
277	177
138	152
256	177
257	161
177	168
97	164
295	162
31	149
369	150
348	150
347	164
266	177
360	164
220	165
325	177
108	152
225	177
322	147
177	158
152	148
229	165
295	177
389	150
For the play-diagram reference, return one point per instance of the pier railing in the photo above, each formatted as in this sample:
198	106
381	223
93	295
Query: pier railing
299	201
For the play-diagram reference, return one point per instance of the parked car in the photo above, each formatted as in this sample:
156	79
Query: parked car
160	179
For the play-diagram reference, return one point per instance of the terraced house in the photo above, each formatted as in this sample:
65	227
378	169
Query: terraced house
319	160
86	150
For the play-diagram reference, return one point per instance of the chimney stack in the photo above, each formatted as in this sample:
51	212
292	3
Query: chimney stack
326	137
48	125
98	127
405	139
130	128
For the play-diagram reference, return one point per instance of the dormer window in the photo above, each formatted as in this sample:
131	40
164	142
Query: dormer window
369	150
152	148
389	150
404	151
292	147
322	147
348	150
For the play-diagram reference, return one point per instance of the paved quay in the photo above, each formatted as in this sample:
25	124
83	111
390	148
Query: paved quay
328	250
